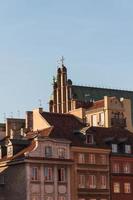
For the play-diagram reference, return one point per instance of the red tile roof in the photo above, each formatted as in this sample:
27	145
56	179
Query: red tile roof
63	124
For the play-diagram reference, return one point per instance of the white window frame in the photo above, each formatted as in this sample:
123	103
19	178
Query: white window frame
48	174
114	148
34	174
92	181
92	158
61	174
127	188
116	187
128	149
127	168
103	181
81	158
81	181
116	168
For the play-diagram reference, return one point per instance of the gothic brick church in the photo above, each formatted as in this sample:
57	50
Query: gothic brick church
67	97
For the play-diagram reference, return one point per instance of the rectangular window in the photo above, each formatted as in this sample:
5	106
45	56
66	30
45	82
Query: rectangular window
61	175
61	153
48	174
48	151
34	174
116	168
92	181
81	181
101	119
92	159
103	182
103	159
116	187
128	149
81	158
127	188
94	120
114	148
89	139
127	168
10	151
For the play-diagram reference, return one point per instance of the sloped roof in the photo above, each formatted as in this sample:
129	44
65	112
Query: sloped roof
105	135
63	124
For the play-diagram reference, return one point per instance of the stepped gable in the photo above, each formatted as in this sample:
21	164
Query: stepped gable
64	125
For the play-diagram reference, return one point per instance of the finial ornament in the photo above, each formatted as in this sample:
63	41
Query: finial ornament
62	60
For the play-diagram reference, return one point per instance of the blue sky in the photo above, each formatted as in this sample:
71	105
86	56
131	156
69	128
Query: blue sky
94	36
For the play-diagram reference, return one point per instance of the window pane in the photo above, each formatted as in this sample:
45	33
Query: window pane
48	174
127	188
34	173
116	188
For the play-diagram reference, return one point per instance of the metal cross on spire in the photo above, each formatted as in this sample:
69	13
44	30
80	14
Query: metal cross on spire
62	60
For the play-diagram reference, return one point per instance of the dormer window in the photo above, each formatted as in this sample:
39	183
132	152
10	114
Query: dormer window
10	151
89	139
127	148
61	153
114	148
48	151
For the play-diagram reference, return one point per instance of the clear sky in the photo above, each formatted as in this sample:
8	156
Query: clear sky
94	36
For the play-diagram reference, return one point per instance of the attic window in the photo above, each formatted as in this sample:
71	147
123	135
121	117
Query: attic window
114	148
127	148
10	151
89	139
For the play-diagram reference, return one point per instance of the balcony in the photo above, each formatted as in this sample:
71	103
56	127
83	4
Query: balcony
117	122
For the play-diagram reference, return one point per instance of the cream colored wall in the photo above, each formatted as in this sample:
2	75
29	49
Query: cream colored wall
96	112
79	113
39	123
127	113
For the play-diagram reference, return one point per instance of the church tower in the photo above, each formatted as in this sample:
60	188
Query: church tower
61	102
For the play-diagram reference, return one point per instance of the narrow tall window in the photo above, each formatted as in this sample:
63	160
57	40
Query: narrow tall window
61	174
34	174
103	159
61	152
101	119
116	168
92	181
81	181
81	158
127	188
48	151
114	148
116	187
103	182
127	168
94	120
89	139
128	149
48	174
92	159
